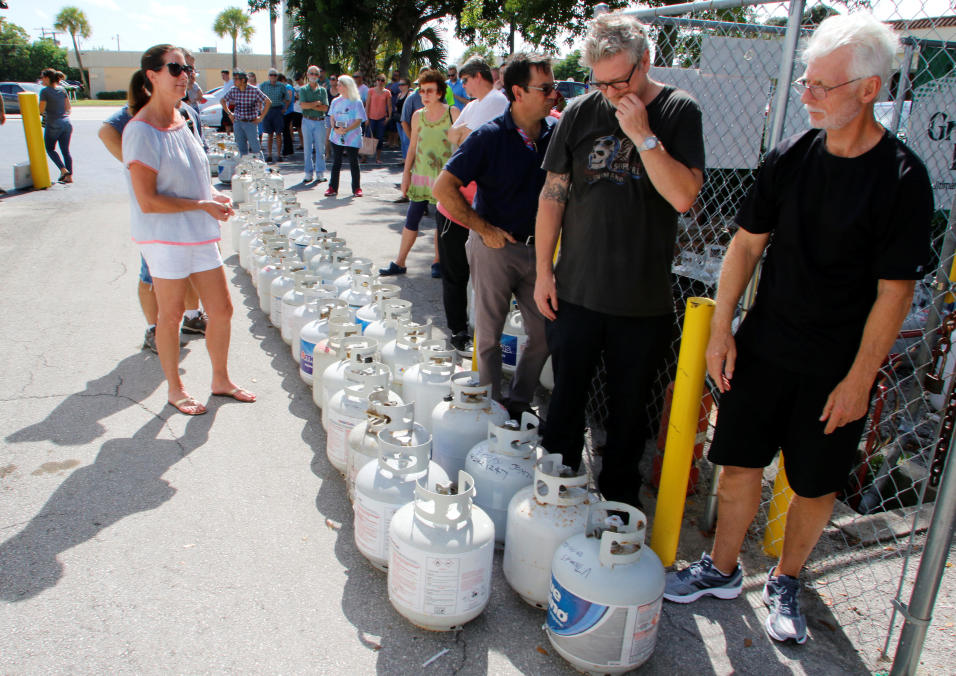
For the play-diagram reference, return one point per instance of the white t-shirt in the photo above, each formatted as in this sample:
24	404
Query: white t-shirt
182	170
478	112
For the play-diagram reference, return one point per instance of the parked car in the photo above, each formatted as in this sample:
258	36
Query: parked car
570	89
210	111
10	90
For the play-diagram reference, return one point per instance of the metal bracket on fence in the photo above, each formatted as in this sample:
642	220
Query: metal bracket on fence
904	610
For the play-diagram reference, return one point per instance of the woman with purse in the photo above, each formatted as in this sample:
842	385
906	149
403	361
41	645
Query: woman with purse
428	150
346	115
174	214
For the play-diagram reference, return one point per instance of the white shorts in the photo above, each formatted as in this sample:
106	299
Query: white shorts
178	261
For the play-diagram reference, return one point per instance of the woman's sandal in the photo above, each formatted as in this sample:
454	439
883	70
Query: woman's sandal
239	394
188	406
65	178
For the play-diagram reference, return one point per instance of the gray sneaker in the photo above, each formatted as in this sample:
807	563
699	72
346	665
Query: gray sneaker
196	324
785	621
702	579
149	340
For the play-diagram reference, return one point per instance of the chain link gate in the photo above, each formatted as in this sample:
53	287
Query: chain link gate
729	59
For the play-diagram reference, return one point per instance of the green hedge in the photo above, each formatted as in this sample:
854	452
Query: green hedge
118	95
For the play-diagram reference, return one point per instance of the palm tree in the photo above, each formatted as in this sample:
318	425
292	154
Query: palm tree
233	22
74	21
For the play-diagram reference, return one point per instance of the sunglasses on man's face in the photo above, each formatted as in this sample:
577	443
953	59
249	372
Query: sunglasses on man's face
176	69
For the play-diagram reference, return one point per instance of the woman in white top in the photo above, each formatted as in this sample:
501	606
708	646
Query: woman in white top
174	214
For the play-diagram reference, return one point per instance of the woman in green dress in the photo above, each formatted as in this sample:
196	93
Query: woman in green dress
428	151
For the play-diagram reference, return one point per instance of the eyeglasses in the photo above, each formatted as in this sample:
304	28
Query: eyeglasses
431	90
818	92
176	69
547	88
273	75
402	84
615	84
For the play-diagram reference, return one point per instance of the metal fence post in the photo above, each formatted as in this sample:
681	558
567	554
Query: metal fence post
919	612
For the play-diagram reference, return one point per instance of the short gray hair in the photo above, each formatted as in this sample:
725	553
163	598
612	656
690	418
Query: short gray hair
873	44
613	33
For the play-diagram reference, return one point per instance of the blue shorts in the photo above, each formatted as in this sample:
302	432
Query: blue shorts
274	121
144	271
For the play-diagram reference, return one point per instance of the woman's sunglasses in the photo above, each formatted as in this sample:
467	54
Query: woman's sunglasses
176	69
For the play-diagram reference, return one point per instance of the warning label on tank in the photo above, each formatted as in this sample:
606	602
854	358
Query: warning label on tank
305	356
371	525
600	634
336	446
442	586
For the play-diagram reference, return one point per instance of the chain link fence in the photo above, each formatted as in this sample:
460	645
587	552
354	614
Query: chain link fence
730	61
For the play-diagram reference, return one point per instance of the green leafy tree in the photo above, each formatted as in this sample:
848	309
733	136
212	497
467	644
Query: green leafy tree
570	68
233	22
74	21
274	8
486	52
14	42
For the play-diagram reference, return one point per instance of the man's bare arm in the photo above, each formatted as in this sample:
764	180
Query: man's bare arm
850	399
741	260
447	190
551	204
113	140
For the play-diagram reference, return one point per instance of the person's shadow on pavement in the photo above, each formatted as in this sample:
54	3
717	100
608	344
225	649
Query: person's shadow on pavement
75	421
125	478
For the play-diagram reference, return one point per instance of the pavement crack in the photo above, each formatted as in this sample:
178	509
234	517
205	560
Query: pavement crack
460	640
122	272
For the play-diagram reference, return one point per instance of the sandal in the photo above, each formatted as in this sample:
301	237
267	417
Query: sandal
188	406
239	394
65	178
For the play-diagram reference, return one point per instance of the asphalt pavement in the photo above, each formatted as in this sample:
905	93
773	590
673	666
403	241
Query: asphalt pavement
137	540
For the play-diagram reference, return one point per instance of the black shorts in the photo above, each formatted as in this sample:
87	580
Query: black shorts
768	408
274	121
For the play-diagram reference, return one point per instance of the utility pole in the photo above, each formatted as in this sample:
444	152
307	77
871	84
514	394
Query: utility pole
52	33
117	42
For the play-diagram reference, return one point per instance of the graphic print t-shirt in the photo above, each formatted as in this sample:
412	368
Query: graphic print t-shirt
617	237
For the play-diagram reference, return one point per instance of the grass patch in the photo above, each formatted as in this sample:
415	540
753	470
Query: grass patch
95	103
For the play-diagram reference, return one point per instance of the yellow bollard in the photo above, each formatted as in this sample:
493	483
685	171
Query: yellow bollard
949	298
682	428
30	111
474	353
777	514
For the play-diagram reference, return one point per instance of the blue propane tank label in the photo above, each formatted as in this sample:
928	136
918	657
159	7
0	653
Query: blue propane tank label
305	356
509	350
602	635
364	324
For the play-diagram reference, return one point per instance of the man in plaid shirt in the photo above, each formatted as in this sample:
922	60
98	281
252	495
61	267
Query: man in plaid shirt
248	107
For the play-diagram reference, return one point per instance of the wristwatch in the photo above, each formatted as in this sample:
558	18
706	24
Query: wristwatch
649	143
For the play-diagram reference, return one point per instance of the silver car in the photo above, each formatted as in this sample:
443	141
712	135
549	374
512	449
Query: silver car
11	103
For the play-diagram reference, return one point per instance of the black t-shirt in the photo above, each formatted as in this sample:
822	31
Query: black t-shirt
838	226
617	237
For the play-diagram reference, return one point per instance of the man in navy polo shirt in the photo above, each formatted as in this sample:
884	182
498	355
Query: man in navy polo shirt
504	158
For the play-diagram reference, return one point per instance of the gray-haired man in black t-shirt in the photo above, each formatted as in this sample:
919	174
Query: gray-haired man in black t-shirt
849	207
622	162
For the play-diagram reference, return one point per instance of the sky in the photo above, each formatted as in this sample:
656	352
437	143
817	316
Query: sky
136	26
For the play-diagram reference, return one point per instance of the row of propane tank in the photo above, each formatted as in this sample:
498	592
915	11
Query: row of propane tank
436	473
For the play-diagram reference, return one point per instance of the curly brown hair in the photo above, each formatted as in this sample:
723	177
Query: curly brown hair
430	75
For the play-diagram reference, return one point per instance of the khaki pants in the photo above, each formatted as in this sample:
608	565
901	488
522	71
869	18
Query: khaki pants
496	274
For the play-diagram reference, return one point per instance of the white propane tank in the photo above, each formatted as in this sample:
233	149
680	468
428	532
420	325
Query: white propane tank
402	352
314	261
316	333
461	421
387	483
274	268
502	465
357	266
335	266
347	408
339	327
367	314
245	219
360	293
318	307
355	349
513	341
547	375
606	622
393	312
281	285
247	237
227	165
428	382
240	188
441	548
382	414
540	517
303	286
